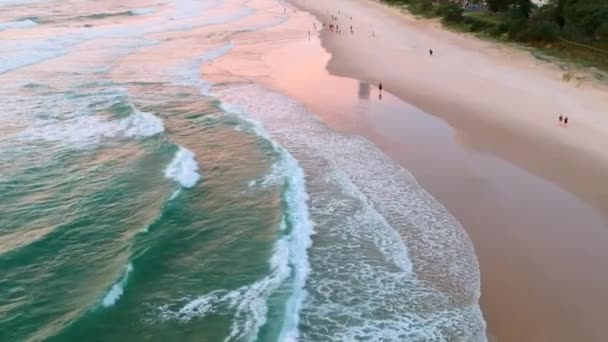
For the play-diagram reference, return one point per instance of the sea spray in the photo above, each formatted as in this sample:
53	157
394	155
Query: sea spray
183	169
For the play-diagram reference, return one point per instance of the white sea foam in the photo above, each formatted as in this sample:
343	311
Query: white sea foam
249	303
272	178
143	11
379	230
175	194
86	130
184	9
19	53
183	168
140	124
215	53
188	74
18	24
19	2
299	240
118	288
289	261
297	217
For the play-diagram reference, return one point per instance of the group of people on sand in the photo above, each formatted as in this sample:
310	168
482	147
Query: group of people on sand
336	28
563	120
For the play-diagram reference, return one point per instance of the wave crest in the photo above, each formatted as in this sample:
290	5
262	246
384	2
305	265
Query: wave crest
118	288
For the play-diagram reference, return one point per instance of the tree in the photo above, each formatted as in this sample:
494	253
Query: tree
585	16
557	8
525	7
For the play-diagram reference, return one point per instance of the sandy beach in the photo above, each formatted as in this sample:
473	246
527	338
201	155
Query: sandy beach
530	193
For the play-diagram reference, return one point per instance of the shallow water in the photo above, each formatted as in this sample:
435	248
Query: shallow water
141	202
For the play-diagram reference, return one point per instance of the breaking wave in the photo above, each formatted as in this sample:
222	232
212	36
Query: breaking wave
183	168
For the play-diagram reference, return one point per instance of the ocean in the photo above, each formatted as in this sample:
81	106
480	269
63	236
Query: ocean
146	195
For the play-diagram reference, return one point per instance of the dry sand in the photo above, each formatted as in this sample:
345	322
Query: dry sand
531	194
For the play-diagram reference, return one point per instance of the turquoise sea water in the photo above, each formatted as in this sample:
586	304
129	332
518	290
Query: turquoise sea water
139	202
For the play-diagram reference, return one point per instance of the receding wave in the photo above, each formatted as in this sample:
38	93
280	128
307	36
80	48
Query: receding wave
142	11
18	24
188	74
137	11
97	16
28	52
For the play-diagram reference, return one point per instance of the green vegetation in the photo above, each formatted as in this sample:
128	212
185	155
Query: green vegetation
575	29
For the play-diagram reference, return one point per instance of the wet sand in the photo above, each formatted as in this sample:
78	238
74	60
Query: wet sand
534	206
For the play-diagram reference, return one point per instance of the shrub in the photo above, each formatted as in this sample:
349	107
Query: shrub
496	31
539	31
482	25
516	23
468	20
503	27
450	12
425	6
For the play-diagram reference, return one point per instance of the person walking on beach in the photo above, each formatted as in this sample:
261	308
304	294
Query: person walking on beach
565	121
431	52
380	87
561	119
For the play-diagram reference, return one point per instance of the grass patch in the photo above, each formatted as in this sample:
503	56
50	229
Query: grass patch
484	16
